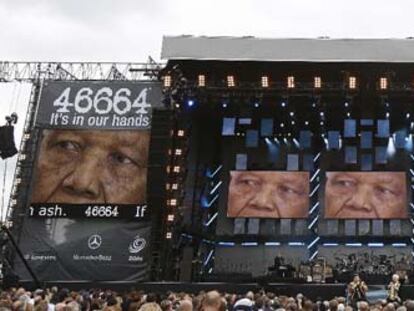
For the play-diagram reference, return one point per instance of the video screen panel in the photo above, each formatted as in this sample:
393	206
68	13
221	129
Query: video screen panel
366	195
268	194
87	217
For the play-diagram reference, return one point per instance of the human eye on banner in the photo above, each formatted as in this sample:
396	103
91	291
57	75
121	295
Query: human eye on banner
267	194
366	195
93	157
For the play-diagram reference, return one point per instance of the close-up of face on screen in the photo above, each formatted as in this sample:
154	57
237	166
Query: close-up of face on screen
370	195
268	194
79	166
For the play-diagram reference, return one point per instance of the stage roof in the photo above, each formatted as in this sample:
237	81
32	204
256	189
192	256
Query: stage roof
287	50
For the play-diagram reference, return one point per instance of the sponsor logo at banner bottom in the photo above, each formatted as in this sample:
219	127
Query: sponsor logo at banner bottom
94	241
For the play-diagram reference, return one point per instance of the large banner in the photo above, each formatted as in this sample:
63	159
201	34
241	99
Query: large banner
88	217
268	194
366	195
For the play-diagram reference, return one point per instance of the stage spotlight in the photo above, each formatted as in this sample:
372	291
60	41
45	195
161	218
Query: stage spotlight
190	102
167	81
321	114
352	82
313	104
178	151
180	133
256	104
346	104
265	81
170	217
176	169
348	114
283	104
391	147
317	82
407	115
201	81
293	122
230	81
291	82
291	113
387	115
321	123
306	122
168	235
282	125
383	83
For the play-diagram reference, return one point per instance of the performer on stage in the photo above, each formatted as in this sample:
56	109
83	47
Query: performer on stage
394	288
357	290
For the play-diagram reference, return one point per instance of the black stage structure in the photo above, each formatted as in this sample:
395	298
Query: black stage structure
274	105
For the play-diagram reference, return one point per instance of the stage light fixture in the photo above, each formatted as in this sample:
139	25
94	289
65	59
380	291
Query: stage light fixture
176	169
190	102
167	186
321	114
265	81
348	114
293	122
178	151
170	217
306	122
167	81
256	104
291	82
282	125
174	186
387	115
352	82
321	123
224	105
180	133
317	82
283	104
230	81
407	115
173	202
291	113
346	104
168	236
383	83
201	80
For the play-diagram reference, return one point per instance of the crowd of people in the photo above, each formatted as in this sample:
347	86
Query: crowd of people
54	299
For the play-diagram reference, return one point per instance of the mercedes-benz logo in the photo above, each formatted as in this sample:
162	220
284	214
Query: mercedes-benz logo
95	241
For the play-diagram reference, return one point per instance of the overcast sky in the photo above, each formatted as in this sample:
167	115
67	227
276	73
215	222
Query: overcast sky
132	30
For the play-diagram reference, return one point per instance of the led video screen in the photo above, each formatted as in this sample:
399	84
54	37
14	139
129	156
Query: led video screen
366	195
268	194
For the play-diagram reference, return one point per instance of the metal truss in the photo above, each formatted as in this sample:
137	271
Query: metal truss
33	71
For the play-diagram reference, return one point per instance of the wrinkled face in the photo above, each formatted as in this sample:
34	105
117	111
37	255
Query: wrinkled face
268	194
365	195
92	167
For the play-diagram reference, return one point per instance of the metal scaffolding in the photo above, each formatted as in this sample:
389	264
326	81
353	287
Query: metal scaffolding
107	71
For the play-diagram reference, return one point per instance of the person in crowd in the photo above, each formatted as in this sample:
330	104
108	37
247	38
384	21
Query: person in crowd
366	195
268	194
